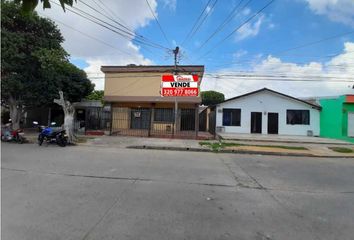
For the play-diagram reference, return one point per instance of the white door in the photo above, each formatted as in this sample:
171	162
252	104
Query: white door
350	124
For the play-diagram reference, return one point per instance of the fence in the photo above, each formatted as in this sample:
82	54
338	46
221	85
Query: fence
212	122
159	122
92	118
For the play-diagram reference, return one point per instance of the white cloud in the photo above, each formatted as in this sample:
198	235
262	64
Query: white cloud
240	53
250	29
338	68
208	9
337	10
134	13
170	4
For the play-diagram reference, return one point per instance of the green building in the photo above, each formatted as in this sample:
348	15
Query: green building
337	117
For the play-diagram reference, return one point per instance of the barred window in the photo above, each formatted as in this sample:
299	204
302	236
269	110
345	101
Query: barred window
163	115
231	117
299	117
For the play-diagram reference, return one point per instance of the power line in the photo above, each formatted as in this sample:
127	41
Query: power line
263	75
130	32
258	77
119	31
113	20
196	22
108	17
87	35
158	23
257	61
112	14
234	12
199	22
203	20
316	42
236	29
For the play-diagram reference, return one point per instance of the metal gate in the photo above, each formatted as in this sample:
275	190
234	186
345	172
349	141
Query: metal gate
212	122
159	122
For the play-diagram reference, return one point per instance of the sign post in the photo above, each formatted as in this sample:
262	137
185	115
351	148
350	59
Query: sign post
179	86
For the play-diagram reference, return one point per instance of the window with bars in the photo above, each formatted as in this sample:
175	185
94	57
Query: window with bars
163	115
298	117
231	117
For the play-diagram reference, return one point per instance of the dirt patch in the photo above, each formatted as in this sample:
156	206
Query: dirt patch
265	149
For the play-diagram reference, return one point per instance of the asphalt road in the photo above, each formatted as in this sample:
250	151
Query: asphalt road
105	193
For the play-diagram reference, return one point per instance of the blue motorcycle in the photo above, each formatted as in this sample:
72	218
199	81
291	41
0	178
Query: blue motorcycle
48	135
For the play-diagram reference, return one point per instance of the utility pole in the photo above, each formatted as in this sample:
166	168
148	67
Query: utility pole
175	53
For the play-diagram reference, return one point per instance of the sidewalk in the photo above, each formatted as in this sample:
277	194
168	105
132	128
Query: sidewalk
281	138
262	146
247	147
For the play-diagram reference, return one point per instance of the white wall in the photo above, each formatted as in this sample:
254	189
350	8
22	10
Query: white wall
266	101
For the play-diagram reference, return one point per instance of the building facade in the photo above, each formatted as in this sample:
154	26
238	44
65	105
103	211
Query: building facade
337	117
268	112
138	107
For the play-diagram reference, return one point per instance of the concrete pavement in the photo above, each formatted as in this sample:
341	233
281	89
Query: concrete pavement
318	147
313	149
115	193
281	138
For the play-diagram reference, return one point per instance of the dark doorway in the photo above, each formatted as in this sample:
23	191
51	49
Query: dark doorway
140	118
203	120
187	119
273	123
256	122
81	117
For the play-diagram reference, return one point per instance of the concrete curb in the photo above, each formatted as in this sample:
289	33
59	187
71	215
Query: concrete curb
280	141
191	149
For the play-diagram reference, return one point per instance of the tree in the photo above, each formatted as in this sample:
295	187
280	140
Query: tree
69	111
34	66
212	97
29	5
96	95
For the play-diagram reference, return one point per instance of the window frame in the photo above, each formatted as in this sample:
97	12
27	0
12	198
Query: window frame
288	122
232	112
171	120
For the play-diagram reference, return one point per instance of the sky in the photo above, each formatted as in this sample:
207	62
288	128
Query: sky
304	48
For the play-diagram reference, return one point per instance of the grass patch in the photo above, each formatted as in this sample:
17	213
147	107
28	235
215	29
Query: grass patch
83	139
341	149
282	147
217	146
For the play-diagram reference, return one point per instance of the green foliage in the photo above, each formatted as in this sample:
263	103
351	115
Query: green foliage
96	95
34	66
212	97
29	5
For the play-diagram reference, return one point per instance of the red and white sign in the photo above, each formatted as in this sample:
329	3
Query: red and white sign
179	86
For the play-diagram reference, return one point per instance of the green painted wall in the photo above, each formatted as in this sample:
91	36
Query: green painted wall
334	118
347	107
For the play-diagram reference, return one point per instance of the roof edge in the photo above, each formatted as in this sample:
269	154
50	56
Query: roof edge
275	92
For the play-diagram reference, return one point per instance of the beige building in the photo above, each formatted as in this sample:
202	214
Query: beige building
138	108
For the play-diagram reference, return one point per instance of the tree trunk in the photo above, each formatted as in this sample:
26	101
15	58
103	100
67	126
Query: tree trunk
68	116
15	113
69	126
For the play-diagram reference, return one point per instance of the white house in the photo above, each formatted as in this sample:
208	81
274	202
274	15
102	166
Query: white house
268	112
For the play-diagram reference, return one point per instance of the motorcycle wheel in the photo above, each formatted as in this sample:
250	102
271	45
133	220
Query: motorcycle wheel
61	141
21	140
40	140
